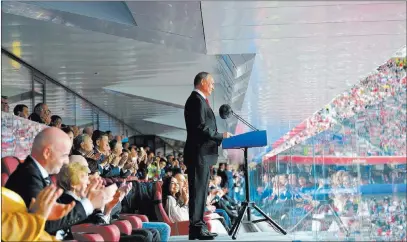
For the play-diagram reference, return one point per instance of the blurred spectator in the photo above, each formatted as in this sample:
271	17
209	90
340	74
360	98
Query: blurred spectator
41	114
4	104
21	110
56	121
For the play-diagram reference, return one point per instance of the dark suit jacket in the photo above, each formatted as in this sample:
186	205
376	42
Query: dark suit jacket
203	139
27	181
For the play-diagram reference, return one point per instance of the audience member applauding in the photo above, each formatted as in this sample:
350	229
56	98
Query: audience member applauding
18	224
49	153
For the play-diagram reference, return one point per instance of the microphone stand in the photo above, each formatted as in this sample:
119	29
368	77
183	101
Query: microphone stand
247	204
244	121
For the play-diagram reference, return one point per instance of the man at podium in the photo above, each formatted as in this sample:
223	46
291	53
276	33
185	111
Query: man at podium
200	151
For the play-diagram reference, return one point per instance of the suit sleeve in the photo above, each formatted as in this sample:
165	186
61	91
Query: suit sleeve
32	186
77	215
198	122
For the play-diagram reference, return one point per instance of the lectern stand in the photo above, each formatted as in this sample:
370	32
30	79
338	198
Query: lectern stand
245	141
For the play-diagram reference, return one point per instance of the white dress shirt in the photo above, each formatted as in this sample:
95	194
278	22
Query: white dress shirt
87	205
200	93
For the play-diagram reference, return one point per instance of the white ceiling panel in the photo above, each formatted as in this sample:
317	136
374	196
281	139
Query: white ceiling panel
90	62
183	18
281	4
214	16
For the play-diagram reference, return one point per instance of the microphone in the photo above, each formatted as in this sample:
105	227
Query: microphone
224	111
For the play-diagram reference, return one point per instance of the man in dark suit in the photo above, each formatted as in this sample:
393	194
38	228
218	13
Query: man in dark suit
200	151
50	151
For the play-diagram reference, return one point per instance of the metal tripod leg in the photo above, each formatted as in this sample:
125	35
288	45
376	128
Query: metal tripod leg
268	219
235	228
299	222
338	219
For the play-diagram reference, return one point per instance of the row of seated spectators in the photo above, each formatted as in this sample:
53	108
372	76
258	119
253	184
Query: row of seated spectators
105	184
291	197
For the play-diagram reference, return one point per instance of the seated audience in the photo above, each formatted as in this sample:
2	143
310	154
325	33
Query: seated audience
83	145
50	151
175	205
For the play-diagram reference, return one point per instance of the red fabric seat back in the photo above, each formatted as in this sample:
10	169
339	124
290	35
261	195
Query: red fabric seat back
108	232
136	222
124	226
88	237
9	164
159	209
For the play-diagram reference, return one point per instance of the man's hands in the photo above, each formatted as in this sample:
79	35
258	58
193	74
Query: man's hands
46	204
227	135
95	194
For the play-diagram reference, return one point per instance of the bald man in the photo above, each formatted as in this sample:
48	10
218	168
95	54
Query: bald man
49	153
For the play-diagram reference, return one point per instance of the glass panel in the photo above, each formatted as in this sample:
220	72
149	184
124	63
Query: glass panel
351	171
85	115
104	122
38	92
61	102
16	83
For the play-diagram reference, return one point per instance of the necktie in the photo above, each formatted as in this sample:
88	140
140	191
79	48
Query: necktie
47	180
207	102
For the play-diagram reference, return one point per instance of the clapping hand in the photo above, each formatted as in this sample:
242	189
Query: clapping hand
46	204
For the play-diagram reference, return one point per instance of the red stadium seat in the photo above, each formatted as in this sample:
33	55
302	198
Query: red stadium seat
4	178
87	237
135	221
124	226
108	232
9	164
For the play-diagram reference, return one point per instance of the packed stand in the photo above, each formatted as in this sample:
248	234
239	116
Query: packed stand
308	199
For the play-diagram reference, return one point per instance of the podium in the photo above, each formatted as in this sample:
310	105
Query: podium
245	141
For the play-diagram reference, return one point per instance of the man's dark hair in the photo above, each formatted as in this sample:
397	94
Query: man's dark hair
66	129
97	135
113	144
4	97
199	77
54	119
19	108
